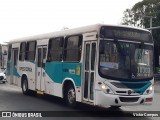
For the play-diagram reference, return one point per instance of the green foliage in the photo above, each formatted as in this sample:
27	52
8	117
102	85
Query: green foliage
137	16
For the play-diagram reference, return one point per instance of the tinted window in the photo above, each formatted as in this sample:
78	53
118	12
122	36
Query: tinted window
39	58
92	86
125	61
93	55
9	52
125	34
31	50
73	47
44	57
15	56
22	51
55	49
87	52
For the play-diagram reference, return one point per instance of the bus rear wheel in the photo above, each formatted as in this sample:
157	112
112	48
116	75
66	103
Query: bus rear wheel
25	89
70	96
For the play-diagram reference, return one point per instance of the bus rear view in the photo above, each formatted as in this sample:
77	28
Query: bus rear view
125	67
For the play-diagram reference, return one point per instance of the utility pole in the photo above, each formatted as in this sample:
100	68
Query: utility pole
153	28
151	21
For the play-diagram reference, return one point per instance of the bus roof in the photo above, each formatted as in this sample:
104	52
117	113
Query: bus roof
68	32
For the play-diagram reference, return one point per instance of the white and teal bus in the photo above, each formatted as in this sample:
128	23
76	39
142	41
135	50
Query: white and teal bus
101	65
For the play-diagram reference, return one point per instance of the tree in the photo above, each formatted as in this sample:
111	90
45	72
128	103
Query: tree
136	16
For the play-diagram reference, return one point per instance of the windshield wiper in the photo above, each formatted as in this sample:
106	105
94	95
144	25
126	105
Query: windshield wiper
119	48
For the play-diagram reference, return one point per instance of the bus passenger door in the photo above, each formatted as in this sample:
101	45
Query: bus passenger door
89	71
14	73
41	60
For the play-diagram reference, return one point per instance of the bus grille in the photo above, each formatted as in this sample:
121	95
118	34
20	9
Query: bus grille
128	99
129	85
1	77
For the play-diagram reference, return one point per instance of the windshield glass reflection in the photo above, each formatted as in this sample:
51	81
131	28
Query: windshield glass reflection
121	60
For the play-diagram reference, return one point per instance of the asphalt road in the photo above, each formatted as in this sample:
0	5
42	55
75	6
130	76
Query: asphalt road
12	99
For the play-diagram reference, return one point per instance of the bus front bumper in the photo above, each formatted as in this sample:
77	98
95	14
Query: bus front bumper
103	99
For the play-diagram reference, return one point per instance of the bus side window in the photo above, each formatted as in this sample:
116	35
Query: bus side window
73	47
55	49
22	51
31	51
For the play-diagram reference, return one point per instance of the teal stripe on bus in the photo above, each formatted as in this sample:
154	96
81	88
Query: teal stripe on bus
8	68
139	90
58	71
69	71
15	73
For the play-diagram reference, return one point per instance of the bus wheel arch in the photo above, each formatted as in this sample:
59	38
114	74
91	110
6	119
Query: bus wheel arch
69	93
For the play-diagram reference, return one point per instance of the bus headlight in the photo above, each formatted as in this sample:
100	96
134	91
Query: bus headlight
106	89
149	90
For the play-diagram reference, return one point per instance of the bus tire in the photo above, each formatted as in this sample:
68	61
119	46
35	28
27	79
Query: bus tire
70	96
25	89
115	107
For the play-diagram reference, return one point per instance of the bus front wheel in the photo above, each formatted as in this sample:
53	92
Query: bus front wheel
70	96
115	107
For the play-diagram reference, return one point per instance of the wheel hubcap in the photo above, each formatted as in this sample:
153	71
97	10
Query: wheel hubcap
71	96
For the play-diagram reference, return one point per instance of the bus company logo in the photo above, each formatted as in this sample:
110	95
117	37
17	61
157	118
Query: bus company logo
129	92
25	69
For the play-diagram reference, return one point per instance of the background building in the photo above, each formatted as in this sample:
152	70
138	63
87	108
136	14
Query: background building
3	55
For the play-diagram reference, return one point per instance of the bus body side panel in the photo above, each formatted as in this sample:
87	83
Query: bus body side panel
73	71
58	72
53	77
49	85
12	67
28	68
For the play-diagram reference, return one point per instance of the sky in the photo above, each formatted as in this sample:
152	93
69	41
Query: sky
21	18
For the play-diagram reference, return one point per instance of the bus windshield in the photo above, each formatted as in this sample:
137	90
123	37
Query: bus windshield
125	61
